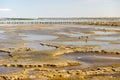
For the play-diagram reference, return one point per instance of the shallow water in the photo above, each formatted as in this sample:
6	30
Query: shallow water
39	47
108	27
3	55
100	27
2	31
5	70
82	43
111	47
31	37
77	34
104	45
107	38
104	33
99	57
3	36
90	59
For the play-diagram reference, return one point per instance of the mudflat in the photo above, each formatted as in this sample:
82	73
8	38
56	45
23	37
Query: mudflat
60	52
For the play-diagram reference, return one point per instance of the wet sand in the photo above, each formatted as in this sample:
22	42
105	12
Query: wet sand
24	44
92	59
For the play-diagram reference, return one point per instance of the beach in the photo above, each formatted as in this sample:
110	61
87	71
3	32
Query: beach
60	52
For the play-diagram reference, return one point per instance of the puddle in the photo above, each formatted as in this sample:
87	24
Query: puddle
74	34
83	43
3	36
4	55
5	70
104	45
98	57
2	31
108	27
107	38
111	47
39	47
37	37
90	59
100	27
78	34
104	33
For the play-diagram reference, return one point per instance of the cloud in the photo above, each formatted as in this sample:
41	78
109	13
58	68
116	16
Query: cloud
4	9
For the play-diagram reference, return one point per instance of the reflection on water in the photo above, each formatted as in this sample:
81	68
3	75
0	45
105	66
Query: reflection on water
2	31
78	34
82	43
98	57
100	27
3	36
107	38
39	47
3	55
5	70
73	34
111	47
91	59
108	27
104	45
38	37
104	33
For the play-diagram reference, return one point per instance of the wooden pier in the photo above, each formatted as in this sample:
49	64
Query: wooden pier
59	20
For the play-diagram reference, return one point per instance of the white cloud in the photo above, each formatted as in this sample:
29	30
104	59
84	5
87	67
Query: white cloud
4	9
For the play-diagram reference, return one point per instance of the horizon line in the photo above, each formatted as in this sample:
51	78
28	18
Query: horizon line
58	17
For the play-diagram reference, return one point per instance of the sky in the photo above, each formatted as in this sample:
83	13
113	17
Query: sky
59	8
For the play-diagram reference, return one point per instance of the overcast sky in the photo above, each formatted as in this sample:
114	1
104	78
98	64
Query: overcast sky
59	8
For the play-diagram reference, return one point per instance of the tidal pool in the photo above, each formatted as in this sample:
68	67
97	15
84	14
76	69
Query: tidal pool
83	43
74	34
31	37
104	45
108	27
92	59
3	55
2	31
39	47
5	70
111	47
3	36
107	38
104	33
100	27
